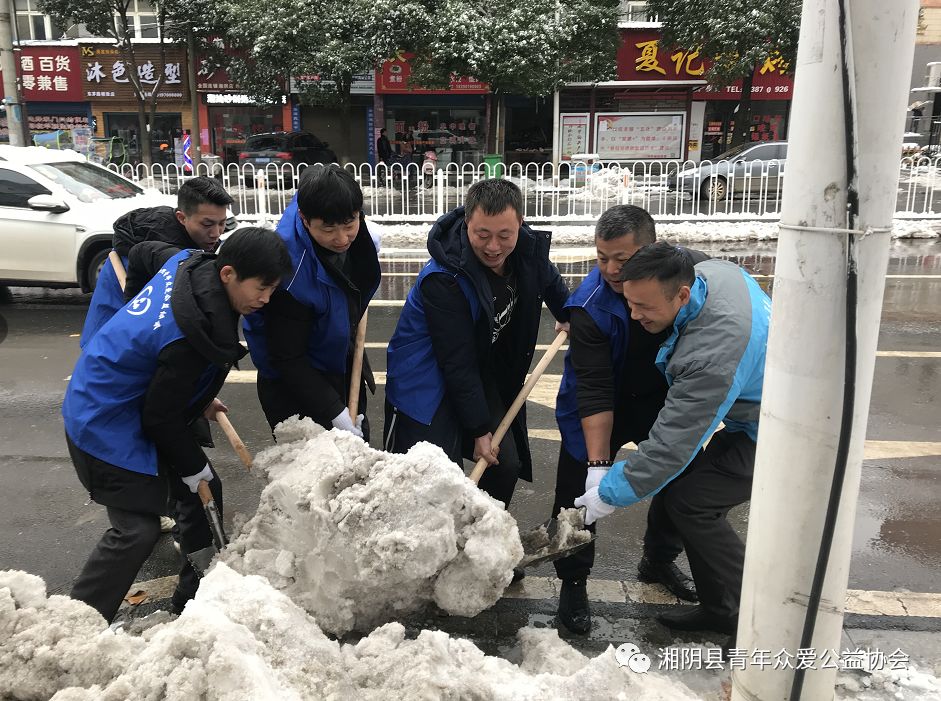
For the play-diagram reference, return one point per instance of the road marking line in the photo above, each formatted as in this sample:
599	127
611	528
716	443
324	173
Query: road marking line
858	601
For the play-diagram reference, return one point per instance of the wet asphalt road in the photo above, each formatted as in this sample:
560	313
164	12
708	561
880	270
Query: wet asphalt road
46	526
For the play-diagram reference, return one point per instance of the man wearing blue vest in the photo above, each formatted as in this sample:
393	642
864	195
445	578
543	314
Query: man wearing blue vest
466	335
713	360
610	395
303	342
198	221
143	379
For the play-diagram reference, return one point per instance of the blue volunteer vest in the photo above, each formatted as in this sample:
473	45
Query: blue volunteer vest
607	310
310	284
107	298
414	381
104	399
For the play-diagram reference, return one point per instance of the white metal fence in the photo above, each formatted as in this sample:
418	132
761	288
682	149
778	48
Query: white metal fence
577	191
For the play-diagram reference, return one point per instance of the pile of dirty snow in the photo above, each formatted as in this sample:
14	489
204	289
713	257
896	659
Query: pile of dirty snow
358	537
240	639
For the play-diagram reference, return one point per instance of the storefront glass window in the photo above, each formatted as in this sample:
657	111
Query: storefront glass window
456	135
165	129
232	124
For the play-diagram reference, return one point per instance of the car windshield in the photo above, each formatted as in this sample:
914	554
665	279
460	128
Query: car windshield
264	143
733	152
87	182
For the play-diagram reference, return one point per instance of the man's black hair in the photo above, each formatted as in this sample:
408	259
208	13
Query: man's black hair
255	252
493	196
332	195
382	131
624	219
201	190
671	265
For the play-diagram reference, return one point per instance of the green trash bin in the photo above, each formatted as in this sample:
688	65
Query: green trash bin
492	160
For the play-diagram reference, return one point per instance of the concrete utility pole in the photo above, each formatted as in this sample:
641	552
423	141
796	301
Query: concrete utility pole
195	133
839	200
12	101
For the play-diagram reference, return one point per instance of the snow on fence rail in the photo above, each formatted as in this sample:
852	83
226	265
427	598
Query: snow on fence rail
576	190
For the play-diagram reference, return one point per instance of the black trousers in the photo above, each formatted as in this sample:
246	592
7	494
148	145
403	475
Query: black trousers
118	556
401	432
662	542
697	503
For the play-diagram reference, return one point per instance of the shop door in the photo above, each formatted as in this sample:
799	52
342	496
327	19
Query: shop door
163	131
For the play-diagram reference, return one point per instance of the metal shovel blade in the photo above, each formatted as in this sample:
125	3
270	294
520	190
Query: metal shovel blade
202	559
539	547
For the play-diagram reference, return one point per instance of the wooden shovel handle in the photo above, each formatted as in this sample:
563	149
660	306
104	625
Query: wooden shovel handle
356	374
202	489
234	439
517	404
119	270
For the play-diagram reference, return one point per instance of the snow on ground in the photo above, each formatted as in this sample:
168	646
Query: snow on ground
359	537
415	235
241	639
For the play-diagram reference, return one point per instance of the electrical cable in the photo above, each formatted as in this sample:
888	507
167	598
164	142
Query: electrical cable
849	372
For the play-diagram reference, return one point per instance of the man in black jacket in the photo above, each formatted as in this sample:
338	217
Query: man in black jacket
610	395
303	342
199	220
146	376
466	335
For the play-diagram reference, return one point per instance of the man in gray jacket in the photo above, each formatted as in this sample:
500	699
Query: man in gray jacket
714	363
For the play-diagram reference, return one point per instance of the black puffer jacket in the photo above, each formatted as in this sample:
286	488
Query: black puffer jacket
149	224
466	344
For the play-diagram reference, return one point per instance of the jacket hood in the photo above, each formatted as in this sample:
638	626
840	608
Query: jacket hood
202	311
150	224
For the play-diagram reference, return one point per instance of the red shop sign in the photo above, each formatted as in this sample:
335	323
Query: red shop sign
49	73
393	79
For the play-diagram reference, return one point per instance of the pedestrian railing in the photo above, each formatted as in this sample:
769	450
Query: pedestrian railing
573	190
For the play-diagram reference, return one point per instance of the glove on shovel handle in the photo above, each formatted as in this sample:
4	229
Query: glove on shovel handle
518	403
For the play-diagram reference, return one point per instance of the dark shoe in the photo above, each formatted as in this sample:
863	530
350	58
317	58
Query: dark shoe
670	576
699	618
574	612
518	574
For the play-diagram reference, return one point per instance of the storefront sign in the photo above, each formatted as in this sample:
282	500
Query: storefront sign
105	72
236	99
642	58
39	123
393	78
639	136
573	134
50	73
363	83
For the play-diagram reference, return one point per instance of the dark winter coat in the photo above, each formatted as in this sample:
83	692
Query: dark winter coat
450	310
145	378
302	341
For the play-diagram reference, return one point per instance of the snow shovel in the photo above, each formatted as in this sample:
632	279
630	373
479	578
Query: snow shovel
537	542
119	270
202	559
356	373
229	430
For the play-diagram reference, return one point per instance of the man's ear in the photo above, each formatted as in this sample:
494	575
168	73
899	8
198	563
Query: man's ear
684	294
227	274
180	216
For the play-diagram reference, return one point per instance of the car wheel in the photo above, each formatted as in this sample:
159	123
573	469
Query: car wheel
95	264
713	189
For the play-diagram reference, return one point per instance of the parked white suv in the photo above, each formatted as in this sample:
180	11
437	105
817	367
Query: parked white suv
56	211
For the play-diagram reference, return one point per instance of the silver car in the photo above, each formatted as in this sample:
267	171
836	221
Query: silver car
753	168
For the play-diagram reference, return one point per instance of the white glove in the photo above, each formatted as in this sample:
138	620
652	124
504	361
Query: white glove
595	508
595	475
343	422
192	481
